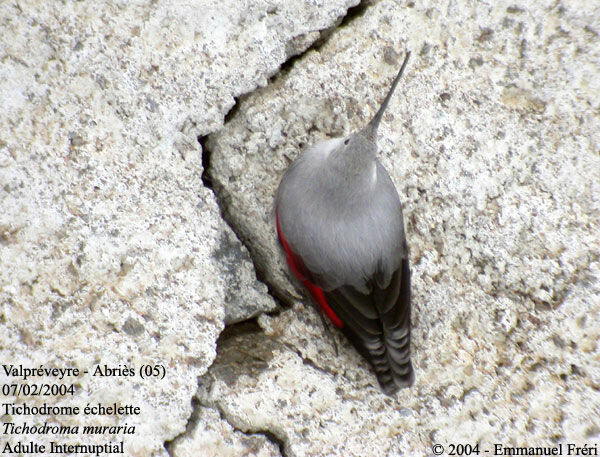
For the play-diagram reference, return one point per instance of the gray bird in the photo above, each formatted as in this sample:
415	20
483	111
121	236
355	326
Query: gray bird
339	220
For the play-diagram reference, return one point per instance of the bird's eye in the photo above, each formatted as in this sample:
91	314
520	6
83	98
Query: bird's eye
346	141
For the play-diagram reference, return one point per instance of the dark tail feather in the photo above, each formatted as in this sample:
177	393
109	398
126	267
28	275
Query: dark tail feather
393	368
381	331
396	328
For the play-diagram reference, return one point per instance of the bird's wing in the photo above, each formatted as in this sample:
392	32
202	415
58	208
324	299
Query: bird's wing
378	325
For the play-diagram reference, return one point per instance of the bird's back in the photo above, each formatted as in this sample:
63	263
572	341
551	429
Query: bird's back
347	232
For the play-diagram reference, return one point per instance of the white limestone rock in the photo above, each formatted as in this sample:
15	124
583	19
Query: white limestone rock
112	251
492	140
215	437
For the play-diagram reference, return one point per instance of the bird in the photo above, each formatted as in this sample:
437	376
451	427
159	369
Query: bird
339	220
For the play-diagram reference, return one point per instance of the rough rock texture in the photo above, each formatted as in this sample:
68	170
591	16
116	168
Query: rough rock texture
492	140
215	437
112	251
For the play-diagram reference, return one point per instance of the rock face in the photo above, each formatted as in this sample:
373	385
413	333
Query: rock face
112	251
492	140
213	436
114	254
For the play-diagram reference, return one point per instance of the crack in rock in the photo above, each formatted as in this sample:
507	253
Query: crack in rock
269	435
503	267
324	35
191	424
279	298
251	442
221	198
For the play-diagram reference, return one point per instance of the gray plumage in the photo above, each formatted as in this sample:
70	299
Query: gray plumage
341	216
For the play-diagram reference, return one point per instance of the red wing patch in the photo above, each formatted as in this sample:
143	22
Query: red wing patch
299	269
